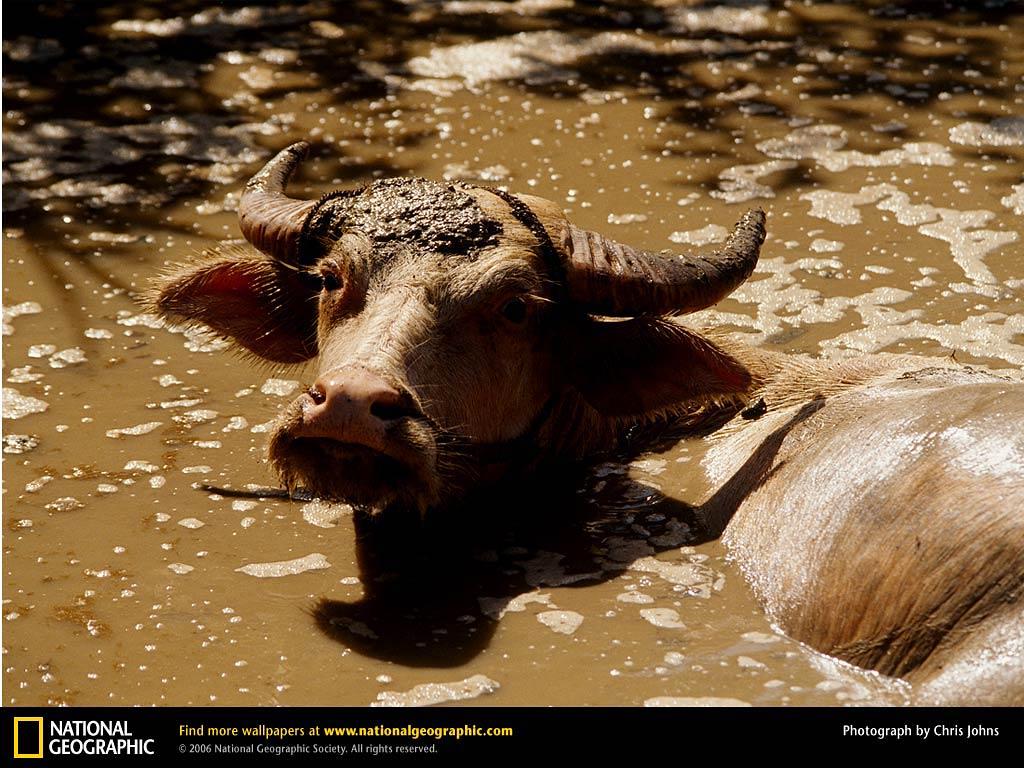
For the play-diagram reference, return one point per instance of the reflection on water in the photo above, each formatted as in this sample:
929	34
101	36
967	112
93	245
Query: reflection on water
884	139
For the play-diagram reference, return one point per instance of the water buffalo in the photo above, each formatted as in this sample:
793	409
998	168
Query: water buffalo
876	505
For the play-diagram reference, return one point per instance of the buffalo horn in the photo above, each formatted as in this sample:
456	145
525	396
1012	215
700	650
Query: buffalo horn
608	278
268	218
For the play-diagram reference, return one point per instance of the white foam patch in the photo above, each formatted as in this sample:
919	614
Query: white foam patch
694	701
519	7
712	233
639	598
155	28
782	301
653	467
281	387
503	59
743	182
17	310
492	174
186	402
962	230
65	504
146	78
824	145
144	320
201	340
1001	132
138	429
66	357
23	375
428	694
20	443
544	56
497	607
112	238
41	350
747	662
720	18
627	218
761	638
199	416
235	423
812	141
1015	200
820	245
562	622
749	91
968	242
890	126
311	562
180	568
34	486
136	465
843	207
17	405
324	514
683	574
666	618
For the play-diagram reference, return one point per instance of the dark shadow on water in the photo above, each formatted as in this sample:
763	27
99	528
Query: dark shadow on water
116	112
434	591
106	114
113	103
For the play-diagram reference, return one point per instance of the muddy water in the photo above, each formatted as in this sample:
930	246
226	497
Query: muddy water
885	143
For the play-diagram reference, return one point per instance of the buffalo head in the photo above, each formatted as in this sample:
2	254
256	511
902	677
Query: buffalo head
458	330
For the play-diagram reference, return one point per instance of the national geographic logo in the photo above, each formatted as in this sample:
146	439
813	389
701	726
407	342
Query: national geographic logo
76	737
28	737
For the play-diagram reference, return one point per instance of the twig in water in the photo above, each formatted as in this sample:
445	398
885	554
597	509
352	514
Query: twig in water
254	492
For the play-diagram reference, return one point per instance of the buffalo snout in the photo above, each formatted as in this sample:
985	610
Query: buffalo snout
355	406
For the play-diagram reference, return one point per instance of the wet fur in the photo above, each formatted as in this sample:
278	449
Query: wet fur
858	531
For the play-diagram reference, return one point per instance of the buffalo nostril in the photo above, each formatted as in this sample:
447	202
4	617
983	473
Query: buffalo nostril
317	393
392	410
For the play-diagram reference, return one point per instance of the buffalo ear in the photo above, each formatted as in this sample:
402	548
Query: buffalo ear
645	366
261	305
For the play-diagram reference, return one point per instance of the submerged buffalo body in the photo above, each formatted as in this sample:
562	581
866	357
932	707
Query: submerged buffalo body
464	333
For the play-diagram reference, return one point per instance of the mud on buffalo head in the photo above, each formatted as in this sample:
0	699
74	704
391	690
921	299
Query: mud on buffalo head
458	331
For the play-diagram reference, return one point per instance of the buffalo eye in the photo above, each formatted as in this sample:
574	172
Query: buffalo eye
515	310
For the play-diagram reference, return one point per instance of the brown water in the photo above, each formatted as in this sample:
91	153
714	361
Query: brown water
886	145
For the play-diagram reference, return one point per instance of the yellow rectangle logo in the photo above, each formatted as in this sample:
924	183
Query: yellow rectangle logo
30	743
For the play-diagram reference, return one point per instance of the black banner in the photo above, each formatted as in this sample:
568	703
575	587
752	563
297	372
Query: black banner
137	736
